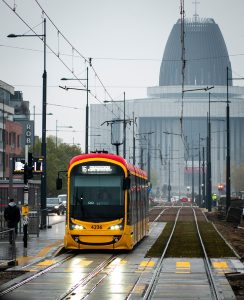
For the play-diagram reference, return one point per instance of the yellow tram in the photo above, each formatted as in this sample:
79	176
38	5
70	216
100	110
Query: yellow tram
107	203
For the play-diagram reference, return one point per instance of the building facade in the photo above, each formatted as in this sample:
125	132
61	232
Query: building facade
16	128
172	121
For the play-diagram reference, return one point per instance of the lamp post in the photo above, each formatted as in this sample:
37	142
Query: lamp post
209	167
3	121
192	177
87	107
228	187
57	126
169	185
44	107
203	177
199	173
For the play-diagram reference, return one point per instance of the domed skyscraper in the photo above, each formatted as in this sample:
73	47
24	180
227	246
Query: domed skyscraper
206	55
172	125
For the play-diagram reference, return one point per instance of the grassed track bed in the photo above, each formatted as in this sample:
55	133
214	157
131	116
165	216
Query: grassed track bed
185	241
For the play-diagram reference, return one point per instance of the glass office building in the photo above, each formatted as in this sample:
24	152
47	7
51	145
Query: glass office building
171	125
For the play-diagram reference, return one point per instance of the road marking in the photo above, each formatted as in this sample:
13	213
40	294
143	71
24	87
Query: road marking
220	265
46	262
147	264
182	267
45	250
24	259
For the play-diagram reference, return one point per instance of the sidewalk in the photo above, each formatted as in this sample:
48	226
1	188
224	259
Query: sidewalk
50	240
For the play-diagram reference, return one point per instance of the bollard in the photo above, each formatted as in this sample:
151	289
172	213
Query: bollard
25	211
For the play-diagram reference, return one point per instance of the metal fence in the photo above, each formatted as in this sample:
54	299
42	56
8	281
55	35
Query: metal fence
7	245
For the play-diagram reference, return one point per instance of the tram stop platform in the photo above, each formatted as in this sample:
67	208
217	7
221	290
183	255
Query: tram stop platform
39	247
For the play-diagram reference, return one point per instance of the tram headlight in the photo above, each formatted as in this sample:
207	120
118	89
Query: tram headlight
76	227
116	227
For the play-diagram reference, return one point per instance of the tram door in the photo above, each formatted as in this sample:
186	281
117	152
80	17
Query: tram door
137	209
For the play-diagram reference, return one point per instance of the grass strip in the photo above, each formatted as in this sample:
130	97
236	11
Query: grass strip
185	242
215	246
158	247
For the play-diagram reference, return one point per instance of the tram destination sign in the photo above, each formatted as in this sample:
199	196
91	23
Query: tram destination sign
97	169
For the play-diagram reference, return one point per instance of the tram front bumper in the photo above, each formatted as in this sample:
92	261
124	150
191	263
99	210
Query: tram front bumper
96	240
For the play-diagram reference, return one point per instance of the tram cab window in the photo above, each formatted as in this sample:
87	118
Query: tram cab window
97	198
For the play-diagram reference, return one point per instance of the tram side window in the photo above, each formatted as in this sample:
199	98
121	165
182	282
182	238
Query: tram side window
131	201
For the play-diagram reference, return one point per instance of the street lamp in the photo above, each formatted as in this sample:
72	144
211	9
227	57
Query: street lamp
57	126
209	167
44	107
87	107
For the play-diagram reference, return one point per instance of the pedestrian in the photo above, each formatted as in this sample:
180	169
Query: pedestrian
12	217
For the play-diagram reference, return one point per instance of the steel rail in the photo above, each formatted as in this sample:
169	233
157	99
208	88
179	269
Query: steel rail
89	277
152	224
213	287
151	287
37	274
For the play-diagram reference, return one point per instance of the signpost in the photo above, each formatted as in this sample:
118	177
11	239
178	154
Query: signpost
28	166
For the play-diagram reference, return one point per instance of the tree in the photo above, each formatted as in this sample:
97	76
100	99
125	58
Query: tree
57	160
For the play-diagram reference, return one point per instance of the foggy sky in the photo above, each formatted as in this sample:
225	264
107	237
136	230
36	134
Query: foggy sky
125	38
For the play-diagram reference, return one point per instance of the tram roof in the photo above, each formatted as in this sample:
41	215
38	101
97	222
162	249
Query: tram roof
129	166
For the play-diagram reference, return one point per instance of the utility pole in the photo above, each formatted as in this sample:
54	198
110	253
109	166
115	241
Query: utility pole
192	178
124	131
209	167
87	113
169	185
134	141
199	174
149	159
44	132
141	157
228	184
203	177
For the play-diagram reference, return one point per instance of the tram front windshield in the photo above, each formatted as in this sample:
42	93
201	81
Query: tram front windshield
96	197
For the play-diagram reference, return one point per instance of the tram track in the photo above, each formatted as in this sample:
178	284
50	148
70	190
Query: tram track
209	272
90	282
154	280
151	287
93	278
34	276
88	279
101	268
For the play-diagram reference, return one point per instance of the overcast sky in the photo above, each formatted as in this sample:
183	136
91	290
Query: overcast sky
124	38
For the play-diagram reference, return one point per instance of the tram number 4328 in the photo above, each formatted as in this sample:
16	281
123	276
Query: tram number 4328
96	227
